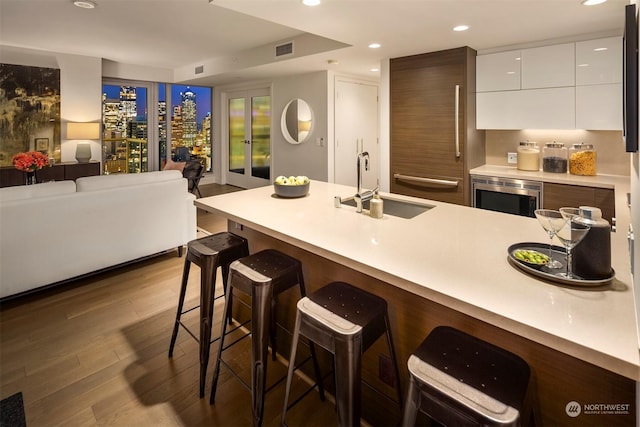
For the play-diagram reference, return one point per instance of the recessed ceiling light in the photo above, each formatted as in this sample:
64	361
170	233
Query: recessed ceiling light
374	45
592	2
375	69
461	28
85	4
310	2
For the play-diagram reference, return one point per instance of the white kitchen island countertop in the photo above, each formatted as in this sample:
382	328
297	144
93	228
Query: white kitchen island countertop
457	256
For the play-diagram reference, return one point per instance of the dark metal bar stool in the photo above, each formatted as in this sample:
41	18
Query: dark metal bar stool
457	379
209	253
263	276
346	321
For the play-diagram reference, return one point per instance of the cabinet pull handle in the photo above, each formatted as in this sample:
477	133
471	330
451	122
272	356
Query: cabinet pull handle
426	180
457	120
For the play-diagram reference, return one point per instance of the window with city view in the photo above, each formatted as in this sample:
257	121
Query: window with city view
180	125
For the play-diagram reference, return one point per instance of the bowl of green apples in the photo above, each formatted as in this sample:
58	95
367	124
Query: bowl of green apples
291	186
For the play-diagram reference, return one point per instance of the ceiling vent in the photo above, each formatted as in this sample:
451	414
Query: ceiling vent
200	69
284	49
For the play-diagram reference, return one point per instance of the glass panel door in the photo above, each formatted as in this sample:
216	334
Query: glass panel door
249	138
125	147
261	137
237	138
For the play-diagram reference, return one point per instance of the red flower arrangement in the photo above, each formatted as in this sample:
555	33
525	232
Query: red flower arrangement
30	161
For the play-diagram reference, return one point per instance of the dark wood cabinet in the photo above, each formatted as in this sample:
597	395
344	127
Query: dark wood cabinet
10	176
556	196
431	94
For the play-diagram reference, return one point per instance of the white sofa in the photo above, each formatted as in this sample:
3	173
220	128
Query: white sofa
56	231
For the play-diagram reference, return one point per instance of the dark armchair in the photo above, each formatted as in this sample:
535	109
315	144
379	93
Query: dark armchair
193	172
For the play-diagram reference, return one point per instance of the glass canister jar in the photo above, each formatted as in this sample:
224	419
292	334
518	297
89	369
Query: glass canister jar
554	157
582	159
528	156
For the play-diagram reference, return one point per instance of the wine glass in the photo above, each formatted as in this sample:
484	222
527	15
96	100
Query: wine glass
551	221
569	213
570	235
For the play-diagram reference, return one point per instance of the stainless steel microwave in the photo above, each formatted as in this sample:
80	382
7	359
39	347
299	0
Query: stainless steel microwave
513	196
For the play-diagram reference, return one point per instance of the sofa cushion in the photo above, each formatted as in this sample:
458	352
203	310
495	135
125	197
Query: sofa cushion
93	183
45	189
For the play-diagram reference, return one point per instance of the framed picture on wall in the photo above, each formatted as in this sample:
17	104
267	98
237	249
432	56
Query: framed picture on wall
42	144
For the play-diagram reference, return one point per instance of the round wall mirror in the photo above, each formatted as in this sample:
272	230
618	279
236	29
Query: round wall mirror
297	121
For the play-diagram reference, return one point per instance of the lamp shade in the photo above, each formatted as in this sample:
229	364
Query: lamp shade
83	131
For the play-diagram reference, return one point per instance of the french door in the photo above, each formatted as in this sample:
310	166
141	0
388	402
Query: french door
249	138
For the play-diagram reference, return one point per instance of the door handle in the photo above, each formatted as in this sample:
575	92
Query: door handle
457	120
444	182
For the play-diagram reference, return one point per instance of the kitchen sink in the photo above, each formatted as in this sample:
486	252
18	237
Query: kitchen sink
399	208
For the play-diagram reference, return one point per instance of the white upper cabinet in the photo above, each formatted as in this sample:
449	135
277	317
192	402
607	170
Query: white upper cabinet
599	107
548	66
565	86
498	71
599	61
551	108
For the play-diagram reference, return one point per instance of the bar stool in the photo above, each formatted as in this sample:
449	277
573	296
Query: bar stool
457	379
263	276
346	321
209	253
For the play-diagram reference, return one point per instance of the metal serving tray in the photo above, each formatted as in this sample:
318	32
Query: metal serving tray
558	253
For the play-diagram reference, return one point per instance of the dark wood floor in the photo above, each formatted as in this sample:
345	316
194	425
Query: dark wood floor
94	353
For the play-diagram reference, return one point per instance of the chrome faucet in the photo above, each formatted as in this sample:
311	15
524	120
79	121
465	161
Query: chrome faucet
363	196
362	156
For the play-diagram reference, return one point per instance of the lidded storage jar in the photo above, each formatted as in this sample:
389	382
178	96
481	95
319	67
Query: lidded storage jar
528	156
554	157
582	159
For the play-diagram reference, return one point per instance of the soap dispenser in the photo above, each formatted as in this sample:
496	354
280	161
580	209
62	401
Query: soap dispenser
376	206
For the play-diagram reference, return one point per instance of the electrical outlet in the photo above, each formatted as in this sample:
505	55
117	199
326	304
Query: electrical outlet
512	158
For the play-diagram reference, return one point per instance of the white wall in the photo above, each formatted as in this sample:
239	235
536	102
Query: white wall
80	99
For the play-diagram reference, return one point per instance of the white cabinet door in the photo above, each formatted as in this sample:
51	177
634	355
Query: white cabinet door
599	107
499	110
548	66
356	130
498	71
599	61
552	108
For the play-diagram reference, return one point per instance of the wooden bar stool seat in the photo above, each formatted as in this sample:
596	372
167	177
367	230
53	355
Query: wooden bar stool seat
346	321
262	276
208	253
457	379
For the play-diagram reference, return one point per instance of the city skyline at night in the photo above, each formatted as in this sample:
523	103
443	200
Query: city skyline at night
203	98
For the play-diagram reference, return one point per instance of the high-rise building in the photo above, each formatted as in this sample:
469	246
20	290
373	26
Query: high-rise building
189	117
128	108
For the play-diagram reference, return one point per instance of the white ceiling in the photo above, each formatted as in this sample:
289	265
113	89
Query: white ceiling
230	37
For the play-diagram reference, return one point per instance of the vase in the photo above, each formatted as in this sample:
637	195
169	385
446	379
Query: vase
30	178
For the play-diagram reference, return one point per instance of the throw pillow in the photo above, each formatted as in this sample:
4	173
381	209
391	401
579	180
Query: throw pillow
171	165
